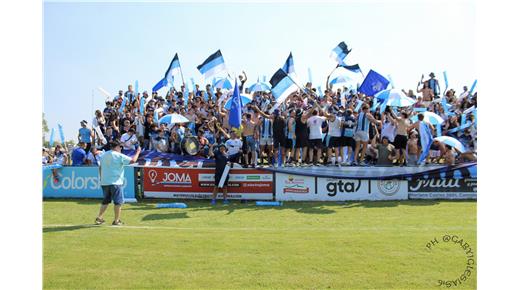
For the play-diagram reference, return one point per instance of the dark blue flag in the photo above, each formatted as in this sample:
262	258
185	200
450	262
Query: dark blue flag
373	84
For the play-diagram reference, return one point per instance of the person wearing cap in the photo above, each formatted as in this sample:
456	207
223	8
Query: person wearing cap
79	155
221	160
111	172
85	135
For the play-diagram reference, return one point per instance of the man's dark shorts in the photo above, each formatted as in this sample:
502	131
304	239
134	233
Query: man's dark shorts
316	143
112	193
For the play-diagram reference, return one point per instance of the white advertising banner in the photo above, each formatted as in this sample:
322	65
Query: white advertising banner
297	187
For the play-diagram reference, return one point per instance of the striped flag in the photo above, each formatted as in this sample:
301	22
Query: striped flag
340	52
160	84
173	69
353	68
282	86
212	65
288	67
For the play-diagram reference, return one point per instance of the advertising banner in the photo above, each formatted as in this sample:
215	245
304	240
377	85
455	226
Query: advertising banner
297	187
83	182
443	188
187	183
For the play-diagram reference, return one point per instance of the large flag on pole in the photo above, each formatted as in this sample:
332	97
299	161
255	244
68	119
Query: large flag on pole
51	138
340	52
281	87
288	67
212	65
62	136
235	113
426	140
173	69
373	84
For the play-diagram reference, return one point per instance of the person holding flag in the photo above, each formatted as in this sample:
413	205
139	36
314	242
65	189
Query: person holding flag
426	137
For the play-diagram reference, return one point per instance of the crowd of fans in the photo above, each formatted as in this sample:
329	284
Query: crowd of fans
305	130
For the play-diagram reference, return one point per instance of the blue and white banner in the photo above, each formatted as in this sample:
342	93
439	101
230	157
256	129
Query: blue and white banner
51	138
353	68
173	69
212	65
282	86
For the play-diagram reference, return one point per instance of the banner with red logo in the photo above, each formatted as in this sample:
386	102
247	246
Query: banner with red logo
188	183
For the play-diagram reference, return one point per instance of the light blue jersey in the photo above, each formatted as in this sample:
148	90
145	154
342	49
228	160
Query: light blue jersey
111	163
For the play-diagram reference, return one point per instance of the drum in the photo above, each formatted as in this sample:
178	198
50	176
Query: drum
191	145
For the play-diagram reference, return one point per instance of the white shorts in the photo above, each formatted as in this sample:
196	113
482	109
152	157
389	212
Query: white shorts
361	136
266	141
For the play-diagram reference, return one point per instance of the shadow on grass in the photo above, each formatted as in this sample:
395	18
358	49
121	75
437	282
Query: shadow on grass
66	228
165	216
303	207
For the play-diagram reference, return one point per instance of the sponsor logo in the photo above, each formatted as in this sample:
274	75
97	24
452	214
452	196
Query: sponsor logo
341	186
74	182
443	183
253	177
295	185
388	187
170	178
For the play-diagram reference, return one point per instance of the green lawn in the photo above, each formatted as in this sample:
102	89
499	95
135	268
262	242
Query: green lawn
301	245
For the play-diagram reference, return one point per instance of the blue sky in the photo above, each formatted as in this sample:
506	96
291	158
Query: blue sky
111	45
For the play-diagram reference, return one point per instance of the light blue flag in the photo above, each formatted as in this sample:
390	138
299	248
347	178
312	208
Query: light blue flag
419	110
186	94
265	79
205	94
213	85
51	138
310	75
123	104
426	140
444	105
473	87
62	136
463	119
193	86
156	116
358	106
142	105
383	106
136	88
439	130
445	79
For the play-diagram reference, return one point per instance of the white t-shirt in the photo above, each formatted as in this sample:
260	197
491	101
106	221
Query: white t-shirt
388	131
335	127
233	146
314	124
128	142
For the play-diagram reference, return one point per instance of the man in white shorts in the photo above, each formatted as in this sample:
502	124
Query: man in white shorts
266	139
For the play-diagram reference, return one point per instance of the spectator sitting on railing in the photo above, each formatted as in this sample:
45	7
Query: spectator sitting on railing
79	155
386	152
60	158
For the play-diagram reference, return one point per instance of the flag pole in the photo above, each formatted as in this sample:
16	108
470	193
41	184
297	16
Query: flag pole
311	91
182	76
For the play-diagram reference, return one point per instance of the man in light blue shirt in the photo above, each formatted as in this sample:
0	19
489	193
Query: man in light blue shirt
111	172
85	135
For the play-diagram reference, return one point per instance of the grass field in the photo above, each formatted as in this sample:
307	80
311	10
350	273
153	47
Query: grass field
300	245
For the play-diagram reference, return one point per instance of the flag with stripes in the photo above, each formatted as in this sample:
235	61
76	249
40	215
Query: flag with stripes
212	65
288	67
173	69
353	68
340	52
160	84
281	87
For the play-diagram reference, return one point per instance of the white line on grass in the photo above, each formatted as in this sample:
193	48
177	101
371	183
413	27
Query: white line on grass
312	229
